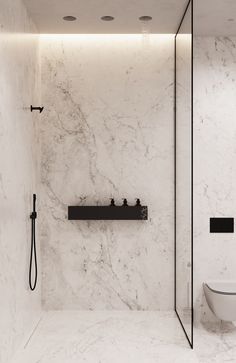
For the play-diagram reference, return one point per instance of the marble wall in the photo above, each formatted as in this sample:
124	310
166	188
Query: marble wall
214	162
107	131
19	87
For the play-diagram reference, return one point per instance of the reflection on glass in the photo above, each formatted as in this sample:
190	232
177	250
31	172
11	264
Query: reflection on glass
183	173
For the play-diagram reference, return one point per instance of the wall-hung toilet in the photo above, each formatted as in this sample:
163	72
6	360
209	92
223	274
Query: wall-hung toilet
221	298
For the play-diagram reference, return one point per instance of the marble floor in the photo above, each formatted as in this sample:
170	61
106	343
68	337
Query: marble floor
215	343
122	337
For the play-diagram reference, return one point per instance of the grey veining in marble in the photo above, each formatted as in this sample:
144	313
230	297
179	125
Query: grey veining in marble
107	131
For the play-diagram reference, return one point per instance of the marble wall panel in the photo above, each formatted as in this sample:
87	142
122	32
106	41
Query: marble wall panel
107	131
214	162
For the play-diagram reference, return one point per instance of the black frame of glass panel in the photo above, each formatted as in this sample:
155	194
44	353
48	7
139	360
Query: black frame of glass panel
190	339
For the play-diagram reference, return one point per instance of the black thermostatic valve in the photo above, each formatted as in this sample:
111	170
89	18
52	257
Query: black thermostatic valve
221	225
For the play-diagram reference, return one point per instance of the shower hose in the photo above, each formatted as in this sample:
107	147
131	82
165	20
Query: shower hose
33	254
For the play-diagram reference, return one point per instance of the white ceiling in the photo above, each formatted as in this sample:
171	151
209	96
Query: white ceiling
48	14
210	16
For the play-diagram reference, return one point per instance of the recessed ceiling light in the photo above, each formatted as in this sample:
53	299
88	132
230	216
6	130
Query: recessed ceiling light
145	18
107	18
69	18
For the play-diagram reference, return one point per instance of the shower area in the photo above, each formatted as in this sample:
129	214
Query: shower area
113	151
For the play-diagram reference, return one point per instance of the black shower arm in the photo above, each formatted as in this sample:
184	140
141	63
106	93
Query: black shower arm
40	109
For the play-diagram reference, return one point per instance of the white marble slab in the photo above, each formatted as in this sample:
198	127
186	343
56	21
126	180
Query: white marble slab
107	131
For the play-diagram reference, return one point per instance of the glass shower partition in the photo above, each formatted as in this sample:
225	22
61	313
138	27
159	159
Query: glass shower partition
184	173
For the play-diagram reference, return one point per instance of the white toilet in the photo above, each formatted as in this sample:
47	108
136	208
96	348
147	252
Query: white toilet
221	298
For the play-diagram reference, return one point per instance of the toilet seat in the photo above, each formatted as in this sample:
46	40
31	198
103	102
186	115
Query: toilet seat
224	288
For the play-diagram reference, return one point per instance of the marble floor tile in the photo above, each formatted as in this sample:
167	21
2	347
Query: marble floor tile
105	337
124	337
215	343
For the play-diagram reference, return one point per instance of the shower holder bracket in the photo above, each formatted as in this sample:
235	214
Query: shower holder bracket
33	215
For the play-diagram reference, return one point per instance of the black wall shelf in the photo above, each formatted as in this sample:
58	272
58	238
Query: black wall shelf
107	213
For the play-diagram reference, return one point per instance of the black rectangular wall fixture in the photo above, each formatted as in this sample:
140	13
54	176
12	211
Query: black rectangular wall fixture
221	225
